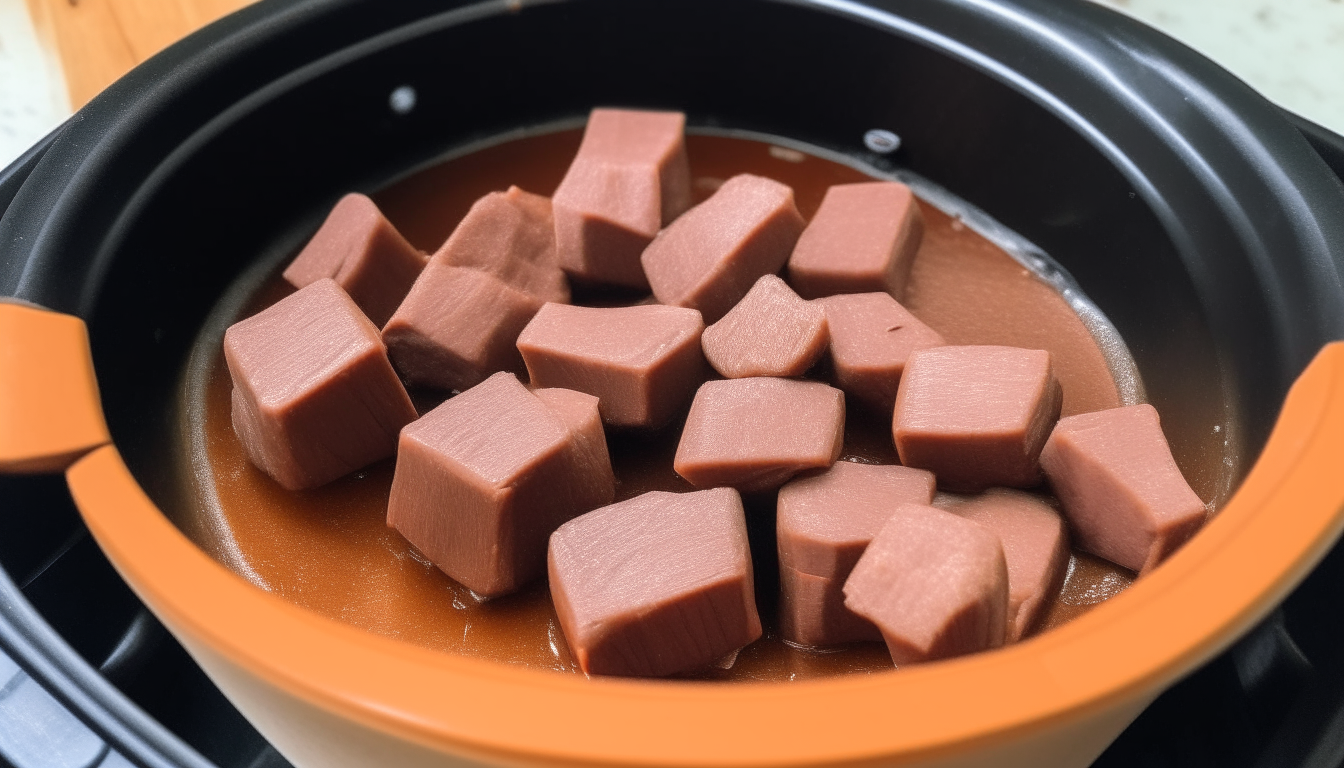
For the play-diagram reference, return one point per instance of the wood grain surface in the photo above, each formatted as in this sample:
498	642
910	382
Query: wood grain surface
98	41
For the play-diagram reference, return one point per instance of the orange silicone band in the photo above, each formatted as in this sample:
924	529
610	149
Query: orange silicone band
50	413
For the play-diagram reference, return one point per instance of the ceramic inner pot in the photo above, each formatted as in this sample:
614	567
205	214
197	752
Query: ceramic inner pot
1184	205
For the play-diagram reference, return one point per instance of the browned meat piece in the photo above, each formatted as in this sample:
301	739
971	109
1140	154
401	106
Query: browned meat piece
1035	544
456	327
655	585
629	179
360	249
976	416
642	362
824	523
863	238
483	480
754	434
710	257
872	336
510	235
314	396
1121	490
934	583
771	332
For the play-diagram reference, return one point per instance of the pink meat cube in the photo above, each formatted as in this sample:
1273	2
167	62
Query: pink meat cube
754	434
456	327
872	337
824	522
593	477
642	362
360	249
935	584
483	480
1035	544
710	257
771	332
1120	488
812	612
314	396
629	179
510	235
976	416
863	238
656	585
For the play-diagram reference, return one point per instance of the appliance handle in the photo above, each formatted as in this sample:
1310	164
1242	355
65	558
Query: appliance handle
1326	143
50	412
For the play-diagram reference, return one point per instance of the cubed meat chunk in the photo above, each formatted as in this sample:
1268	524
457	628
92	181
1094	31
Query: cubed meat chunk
711	256
360	249
510	235
754	434
872	337
812	612
824	522
655	585
935	584
863	239
771	332
976	416
314	396
642	362
485	478
458	326
1120	488
629	179
1035	545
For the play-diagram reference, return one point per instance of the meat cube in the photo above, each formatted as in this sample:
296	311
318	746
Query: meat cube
710	257
360	249
935	584
485	478
1035	545
642	362
872	337
510	235
863	238
812	612
771	332
314	396
1121	490
579	412
456	327
655	585
754	434
629	179
824	522
976	416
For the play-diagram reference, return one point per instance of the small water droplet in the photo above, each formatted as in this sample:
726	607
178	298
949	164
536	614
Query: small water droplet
881	141
402	99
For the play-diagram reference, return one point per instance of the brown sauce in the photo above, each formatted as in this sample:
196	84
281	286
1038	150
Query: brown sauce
330	551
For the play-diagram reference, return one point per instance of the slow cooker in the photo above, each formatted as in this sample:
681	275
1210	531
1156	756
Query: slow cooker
1205	223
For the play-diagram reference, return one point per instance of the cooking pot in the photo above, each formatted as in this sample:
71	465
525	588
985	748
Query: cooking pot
1188	209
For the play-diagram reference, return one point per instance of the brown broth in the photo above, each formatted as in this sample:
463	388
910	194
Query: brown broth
329	549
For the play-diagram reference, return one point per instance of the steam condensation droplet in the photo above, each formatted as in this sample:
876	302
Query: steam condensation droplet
402	99
881	141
